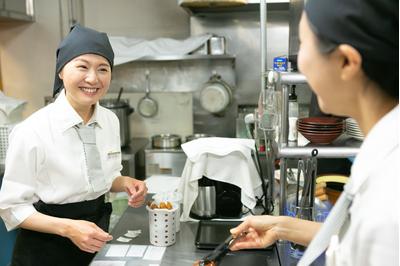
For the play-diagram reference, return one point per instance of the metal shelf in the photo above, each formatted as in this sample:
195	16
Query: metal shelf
342	147
186	57
251	6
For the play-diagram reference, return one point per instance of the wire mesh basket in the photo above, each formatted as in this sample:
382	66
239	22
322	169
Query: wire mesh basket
5	131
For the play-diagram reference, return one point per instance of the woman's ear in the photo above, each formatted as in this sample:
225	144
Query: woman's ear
60	75
351	61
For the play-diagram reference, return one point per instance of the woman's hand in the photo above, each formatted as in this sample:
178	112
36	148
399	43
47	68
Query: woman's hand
260	232
135	189
137	192
86	235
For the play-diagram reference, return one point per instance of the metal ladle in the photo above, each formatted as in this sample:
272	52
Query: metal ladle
147	106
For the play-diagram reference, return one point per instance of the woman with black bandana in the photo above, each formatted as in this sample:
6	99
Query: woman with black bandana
63	159
349	54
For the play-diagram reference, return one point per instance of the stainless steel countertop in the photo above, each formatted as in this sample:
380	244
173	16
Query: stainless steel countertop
183	252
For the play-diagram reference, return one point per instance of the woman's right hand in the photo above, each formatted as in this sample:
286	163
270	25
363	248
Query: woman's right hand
260	232
86	235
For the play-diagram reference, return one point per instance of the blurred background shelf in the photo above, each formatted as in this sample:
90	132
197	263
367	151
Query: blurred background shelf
186	57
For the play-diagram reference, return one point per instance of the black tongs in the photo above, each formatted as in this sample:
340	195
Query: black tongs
220	250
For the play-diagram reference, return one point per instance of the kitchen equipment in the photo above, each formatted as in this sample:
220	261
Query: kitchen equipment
216	199
304	206
204	206
320	130
166	141
220	250
198	136
122	109
162	227
210	233
164	161
211	3
216	95
147	106
216	45
119	94
353	129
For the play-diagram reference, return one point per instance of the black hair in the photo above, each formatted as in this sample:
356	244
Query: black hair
386	77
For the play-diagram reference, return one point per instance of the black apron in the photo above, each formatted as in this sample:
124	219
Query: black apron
41	249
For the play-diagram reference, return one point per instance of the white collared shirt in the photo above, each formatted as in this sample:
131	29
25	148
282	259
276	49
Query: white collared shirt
46	161
372	237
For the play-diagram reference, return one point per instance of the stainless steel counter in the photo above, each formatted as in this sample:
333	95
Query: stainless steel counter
183	252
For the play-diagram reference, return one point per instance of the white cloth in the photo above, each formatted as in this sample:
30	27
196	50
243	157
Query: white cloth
372	236
45	160
221	159
129	49
8	104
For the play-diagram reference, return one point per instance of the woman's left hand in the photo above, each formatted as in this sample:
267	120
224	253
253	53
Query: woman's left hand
137	192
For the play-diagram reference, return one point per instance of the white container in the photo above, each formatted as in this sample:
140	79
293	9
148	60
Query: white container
176	200
162	226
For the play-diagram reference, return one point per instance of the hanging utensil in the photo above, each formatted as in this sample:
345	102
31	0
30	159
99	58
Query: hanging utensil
119	94
147	106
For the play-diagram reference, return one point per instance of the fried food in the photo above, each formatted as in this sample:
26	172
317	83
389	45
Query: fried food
210	263
163	205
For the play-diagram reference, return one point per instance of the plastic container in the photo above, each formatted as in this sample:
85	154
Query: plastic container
162	226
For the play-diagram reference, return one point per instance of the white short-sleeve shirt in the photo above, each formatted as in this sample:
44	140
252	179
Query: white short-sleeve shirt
46	160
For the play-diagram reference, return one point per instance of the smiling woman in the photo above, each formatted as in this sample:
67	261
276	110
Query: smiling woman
59	167
86	80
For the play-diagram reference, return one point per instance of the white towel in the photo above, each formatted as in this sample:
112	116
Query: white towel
129	49
222	159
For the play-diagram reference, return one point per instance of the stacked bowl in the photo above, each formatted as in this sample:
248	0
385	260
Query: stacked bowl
320	130
353	130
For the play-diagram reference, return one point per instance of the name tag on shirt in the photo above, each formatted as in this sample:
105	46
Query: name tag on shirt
113	154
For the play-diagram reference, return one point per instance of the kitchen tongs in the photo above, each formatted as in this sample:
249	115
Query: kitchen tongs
220	250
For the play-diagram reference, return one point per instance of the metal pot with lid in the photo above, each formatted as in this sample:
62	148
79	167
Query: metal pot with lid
198	136
122	109
166	141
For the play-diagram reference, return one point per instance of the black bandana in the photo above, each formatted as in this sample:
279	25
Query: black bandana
79	41
370	26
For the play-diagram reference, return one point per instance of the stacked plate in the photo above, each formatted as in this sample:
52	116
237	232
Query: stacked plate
320	130
353	130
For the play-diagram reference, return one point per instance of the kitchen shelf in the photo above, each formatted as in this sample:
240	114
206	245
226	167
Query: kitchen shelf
343	147
251	6
186	57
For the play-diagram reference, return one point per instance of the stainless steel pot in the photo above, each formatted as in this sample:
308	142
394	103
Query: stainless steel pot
122	109
166	141
198	136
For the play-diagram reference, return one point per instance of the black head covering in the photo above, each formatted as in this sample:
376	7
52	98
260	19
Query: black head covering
370	26
79	41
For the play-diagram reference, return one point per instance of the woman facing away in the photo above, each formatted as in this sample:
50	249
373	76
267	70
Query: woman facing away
349	55
63	159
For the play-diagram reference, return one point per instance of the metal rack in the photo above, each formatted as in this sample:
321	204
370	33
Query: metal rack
342	148
187	57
